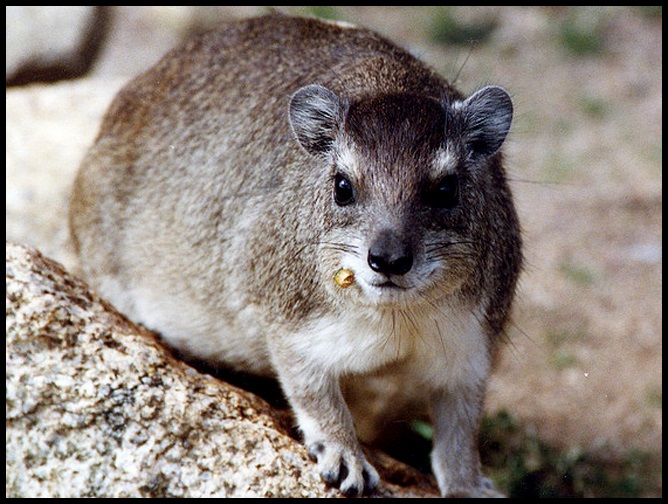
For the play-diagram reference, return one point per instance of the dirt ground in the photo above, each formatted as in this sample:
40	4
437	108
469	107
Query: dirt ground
584	364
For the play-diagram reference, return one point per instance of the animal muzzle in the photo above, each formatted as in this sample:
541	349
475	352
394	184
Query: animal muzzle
390	253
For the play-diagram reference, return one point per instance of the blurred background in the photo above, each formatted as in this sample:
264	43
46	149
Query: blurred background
575	405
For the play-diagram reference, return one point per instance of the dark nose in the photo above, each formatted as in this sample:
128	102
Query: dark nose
390	254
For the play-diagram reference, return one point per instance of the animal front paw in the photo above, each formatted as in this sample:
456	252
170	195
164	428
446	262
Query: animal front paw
344	467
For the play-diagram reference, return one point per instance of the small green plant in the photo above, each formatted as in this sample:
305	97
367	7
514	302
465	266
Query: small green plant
580	275
563	359
525	466
653	398
582	32
324	12
446	28
594	107
567	334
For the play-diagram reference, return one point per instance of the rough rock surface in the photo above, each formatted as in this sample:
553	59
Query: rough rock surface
95	406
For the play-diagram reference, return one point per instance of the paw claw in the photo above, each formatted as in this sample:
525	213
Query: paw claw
345	468
352	491
315	450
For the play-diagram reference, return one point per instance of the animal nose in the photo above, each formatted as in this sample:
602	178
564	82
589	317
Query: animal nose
390	255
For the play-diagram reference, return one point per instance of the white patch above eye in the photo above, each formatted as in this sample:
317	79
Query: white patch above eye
445	162
346	160
457	105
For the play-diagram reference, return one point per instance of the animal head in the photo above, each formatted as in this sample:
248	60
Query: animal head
408	178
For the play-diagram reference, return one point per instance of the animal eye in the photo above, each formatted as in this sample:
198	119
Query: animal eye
344	193
445	194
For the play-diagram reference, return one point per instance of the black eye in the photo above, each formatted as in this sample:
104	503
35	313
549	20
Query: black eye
445	194
343	190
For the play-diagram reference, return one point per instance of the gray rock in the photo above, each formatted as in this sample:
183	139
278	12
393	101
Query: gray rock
97	407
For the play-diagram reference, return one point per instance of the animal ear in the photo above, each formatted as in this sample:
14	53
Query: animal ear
487	117
315	114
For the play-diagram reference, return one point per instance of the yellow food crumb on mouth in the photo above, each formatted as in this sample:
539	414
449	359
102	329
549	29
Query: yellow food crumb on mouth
344	278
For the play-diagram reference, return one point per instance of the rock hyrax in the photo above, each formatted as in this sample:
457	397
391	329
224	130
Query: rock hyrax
304	199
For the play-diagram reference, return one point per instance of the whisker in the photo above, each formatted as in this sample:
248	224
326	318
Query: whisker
410	321
339	246
446	245
439	332
394	334
390	335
